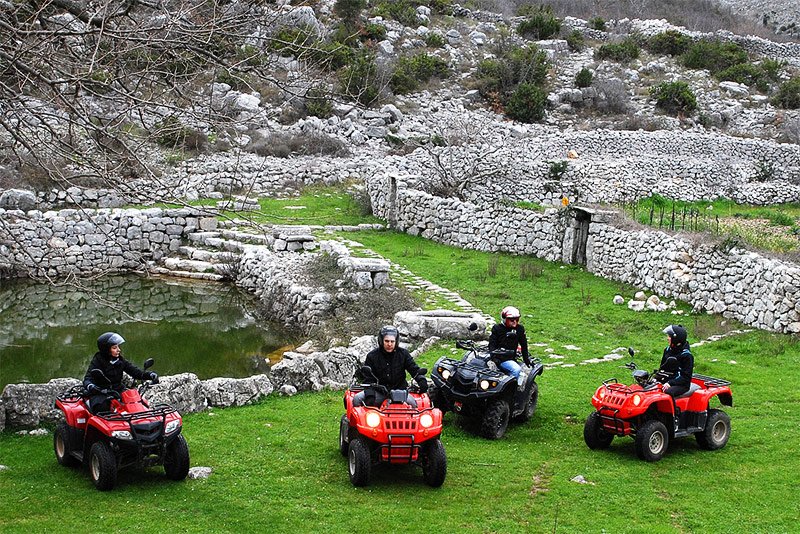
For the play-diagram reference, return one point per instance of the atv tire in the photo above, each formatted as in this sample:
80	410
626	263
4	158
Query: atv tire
62	448
359	462
176	459
593	433
102	466
652	441
530	405
438	400
344	429
717	431
434	463
495	419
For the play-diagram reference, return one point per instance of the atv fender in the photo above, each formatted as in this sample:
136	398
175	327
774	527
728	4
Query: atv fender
726	398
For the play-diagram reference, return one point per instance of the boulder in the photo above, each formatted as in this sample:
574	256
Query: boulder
618	299
338	365
288	390
445	324
298	370
27	405
18	199
2	416
183	391
224	392
199	472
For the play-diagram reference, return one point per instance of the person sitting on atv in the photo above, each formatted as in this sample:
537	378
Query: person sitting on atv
109	360
389	363
510	335
677	363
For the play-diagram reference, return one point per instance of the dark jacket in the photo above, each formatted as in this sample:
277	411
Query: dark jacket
390	368
679	363
503	337
113	371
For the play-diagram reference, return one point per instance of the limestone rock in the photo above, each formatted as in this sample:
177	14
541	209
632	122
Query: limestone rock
182	391
224	392
27	405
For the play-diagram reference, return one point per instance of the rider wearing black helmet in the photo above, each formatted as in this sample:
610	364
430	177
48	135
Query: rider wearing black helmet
109	360
677	362
389	362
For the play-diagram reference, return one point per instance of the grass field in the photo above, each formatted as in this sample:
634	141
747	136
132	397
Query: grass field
277	467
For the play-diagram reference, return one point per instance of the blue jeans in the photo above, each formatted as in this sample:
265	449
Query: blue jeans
511	367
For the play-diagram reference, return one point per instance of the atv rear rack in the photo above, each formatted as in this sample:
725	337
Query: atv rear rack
710	381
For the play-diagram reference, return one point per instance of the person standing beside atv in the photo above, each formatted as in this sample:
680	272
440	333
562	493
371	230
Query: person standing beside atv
510	335
389	362
677	363
108	359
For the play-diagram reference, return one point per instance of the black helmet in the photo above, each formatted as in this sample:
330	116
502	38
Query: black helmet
107	340
388	330
677	334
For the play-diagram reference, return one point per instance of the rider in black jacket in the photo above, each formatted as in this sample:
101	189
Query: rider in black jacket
509	334
677	361
389	362
109	360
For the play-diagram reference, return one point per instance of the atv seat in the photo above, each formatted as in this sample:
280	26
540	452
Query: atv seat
401	396
694	387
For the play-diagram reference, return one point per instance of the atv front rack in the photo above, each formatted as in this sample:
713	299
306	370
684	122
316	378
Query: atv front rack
160	410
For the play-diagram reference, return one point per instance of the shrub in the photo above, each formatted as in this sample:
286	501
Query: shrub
373	32
349	10
625	51
172	133
518	65
670	42
318	103
713	56
674	97
788	95
583	78
539	24
434	40
527	103
360	80
411	71
333	56
576	41
283	144
400	10
294	42
597	23
747	74
772	68
557	169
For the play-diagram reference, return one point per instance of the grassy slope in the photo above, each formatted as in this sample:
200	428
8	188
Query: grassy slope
277	467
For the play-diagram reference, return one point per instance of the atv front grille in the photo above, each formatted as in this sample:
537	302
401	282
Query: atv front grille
403	424
614	400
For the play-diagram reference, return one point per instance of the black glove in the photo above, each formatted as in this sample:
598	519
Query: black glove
91	389
527	359
153	377
422	383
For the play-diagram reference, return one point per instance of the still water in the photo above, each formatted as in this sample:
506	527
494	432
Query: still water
203	328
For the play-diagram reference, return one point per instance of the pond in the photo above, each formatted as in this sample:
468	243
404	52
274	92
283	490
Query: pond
208	329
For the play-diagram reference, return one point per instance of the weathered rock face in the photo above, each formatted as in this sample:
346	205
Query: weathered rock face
299	370
2	415
224	392
184	392
26	405
17	199
440	323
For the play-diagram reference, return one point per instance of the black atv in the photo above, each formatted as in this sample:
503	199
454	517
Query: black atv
476	388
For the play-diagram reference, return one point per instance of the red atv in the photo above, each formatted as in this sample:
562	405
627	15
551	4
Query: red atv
400	426
644	411
131	433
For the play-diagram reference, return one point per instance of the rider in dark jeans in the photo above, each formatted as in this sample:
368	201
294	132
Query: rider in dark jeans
677	363
109	360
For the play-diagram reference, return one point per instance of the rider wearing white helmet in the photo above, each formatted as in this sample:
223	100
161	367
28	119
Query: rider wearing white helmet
509	334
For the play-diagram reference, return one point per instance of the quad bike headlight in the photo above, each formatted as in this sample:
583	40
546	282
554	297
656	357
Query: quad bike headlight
426	420
602	394
121	434
484	384
172	426
373	419
444	372
637	400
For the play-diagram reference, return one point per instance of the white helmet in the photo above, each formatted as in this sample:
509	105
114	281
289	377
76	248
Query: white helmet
509	312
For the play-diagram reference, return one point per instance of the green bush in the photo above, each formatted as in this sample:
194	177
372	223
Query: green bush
434	40
576	41
349	10
360	79
670	42
713	56
293	42
747	74
540	23
772	68
674	97
402	11
318	103
517	65
597	23
172	133
625	51
557	169
411	71
373	32
527	103
333	56
788	95
583	78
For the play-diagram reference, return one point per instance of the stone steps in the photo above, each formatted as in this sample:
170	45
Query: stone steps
212	277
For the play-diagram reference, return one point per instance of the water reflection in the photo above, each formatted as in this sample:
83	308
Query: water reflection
204	328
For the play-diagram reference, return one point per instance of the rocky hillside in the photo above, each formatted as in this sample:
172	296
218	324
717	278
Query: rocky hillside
145	101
